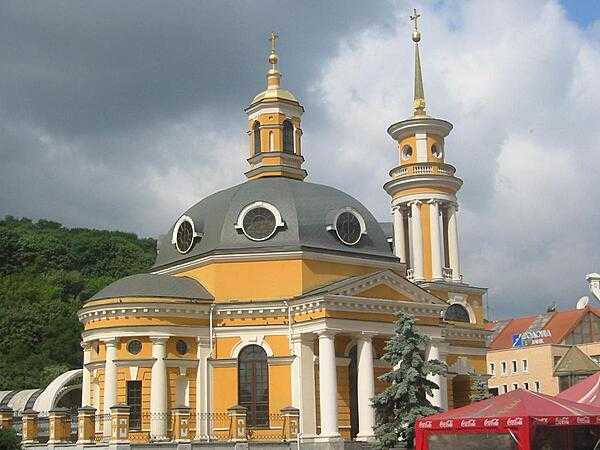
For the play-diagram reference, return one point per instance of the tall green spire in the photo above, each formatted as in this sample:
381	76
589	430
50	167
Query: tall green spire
419	99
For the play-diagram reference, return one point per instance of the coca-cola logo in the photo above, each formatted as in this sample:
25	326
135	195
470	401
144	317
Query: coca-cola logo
491	422
542	419
468	423
446	423
561	421
583	420
514	422
426	424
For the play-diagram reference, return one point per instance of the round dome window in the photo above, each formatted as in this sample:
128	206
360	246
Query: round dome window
134	347
181	347
185	236
259	223
348	227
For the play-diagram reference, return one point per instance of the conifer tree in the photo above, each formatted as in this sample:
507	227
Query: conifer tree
479	388
405	399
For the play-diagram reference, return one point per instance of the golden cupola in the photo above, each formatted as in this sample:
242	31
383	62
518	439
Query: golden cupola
423	189
274	132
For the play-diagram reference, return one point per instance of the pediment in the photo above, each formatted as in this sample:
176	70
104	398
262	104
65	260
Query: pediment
384	285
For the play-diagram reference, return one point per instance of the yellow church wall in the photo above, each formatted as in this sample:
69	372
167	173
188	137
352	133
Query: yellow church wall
145	374
224	388
280	394
423	190
383	291
172	348
434	139
279	344
343	398
318	273
250	280
145	352
224	346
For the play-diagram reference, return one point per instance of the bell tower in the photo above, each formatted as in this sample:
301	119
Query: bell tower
423	188
274	132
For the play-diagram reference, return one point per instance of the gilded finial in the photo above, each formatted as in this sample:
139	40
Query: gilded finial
273	75
419	98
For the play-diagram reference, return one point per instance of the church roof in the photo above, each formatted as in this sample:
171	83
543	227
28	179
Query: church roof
155	285
307	209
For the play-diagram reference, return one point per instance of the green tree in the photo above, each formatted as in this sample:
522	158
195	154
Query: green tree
9	440
405	399
479	388
47	271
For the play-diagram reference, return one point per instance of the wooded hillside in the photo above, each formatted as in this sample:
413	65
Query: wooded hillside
46	272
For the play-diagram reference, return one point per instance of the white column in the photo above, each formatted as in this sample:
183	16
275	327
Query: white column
436	246
86	381
440	396
303	383
365	388
202	388
399	248
328	386
453	256
417	240
158	390
110	383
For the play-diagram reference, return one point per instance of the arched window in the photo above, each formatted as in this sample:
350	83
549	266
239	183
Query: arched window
457	313
256	137
253	385
288	137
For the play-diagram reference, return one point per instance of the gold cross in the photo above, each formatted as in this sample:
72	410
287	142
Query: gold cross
273	39
415	18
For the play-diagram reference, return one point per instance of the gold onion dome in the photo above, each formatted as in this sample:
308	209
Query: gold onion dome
274	90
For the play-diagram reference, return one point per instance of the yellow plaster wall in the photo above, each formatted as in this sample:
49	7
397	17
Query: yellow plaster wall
383	291
426	232
125	321
343	398
224	388
319	273
437	140
279	344
280	394
409	140
172	348
224	346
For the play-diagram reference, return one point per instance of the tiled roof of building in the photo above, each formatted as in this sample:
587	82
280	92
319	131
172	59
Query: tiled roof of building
558	323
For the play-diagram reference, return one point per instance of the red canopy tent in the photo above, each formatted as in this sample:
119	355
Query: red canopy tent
518	420
586	391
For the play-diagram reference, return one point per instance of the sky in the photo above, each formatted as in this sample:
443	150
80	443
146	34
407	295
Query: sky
121	115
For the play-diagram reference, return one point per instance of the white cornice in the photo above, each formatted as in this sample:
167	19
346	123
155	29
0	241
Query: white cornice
282	256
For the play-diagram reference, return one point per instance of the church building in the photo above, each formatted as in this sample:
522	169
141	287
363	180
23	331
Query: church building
281	292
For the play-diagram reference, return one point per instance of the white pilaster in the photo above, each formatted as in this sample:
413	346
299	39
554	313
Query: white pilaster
453	255
202	388
417	240
436	245
86	397
399	247
328	386
110	384
365	388
303	383
158	390
439	396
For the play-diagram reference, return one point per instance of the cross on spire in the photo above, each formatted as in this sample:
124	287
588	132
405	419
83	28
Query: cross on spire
415	18
273	39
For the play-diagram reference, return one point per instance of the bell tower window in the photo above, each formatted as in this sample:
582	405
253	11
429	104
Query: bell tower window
256	137
288	137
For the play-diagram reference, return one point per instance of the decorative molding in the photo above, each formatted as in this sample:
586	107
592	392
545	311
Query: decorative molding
251	340
281	360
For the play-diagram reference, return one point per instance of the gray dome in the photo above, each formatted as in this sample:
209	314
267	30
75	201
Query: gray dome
306	208
155	285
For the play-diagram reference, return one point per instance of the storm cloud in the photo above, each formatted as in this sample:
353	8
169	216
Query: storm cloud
122	114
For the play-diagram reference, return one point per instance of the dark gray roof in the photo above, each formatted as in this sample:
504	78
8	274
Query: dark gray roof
155	285
388	229
306	208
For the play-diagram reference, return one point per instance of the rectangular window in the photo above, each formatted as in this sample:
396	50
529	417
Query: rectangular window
514	366
526	386
134	400
504	388
524	365
515	386
503	367
537	386
492	369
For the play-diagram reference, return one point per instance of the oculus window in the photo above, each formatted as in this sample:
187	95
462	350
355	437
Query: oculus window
184	234
349	226
181	347
253	385
407	152
134	347
259	221
436	151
